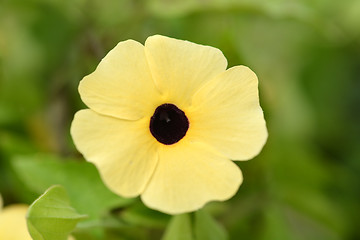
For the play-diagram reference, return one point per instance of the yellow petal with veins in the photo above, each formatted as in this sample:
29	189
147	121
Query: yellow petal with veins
123	151
180	67
122	85
226	115
188	176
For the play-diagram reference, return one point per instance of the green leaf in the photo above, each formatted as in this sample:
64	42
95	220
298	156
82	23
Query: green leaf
179	228
172	9
206	228
275	222
51	216
81	179
140	215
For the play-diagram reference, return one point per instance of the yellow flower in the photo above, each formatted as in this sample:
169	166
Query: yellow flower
164	121
13	223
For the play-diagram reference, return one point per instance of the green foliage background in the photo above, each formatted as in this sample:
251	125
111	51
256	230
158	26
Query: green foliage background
306	182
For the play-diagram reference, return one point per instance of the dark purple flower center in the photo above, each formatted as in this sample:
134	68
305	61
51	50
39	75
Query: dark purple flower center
168	124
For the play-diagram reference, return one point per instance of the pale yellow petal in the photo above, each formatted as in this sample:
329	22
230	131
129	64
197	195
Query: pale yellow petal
123	151
180	67
227	116
13	223
121	86
189	175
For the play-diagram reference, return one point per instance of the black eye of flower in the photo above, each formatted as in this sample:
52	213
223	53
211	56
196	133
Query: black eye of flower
168	124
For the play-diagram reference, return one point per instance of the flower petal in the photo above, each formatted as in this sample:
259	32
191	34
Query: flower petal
13	222
123	151
189	175
226	114
121	86
180	67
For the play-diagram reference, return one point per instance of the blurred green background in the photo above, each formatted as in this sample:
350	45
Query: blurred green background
306	182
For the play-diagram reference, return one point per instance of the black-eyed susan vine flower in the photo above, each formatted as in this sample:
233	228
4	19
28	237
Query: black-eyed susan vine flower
13	222
165	119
